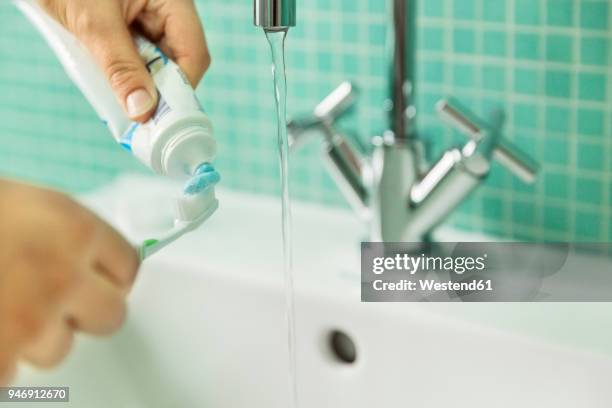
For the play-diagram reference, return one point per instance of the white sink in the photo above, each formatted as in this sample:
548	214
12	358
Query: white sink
207	326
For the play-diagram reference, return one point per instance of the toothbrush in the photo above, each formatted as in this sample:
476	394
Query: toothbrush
196	204
153	245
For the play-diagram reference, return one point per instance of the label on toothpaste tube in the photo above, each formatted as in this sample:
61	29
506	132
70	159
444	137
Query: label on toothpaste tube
162	110
174	92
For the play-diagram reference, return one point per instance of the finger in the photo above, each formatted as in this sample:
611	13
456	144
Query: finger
97	306
184	41
8	368
115	257
25	311
51	347
150	23
102	28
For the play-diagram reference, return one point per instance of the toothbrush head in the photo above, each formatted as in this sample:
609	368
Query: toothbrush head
191	212
191	208
194	206
198	194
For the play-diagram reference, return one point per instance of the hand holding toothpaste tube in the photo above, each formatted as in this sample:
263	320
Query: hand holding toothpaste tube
105	27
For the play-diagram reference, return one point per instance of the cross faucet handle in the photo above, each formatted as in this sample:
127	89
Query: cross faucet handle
332	107
508	154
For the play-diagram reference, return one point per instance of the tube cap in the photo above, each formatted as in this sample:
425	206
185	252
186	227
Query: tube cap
188	148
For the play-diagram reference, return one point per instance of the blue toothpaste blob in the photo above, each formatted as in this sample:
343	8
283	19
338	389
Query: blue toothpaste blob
205	177
204	168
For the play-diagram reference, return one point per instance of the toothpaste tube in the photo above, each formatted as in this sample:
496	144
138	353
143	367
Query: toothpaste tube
179	136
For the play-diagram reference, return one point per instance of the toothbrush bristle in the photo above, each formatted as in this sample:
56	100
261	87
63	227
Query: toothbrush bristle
190	207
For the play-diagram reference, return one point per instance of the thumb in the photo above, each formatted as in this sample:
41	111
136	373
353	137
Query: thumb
108	38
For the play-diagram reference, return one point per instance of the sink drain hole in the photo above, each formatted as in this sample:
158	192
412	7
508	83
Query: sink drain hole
342	347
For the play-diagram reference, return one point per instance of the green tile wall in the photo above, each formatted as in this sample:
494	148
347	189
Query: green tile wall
547	62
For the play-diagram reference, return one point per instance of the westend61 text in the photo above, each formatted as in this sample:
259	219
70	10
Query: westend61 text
431	285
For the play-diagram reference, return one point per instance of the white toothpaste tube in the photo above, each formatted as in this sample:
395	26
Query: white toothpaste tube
179	136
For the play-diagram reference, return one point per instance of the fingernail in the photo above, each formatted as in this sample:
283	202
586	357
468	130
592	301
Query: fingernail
139	102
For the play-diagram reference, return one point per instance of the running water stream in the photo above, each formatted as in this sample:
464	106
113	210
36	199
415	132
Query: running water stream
276	39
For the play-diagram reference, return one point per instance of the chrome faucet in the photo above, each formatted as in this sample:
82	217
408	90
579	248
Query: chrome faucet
274	15
387	183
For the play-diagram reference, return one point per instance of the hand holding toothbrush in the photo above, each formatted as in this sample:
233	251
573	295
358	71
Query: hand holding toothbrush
104	27
62	270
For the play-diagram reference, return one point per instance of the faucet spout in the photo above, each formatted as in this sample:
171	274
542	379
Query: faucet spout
274	15
401	46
